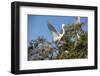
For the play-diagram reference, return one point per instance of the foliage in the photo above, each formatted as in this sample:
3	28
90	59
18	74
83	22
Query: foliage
76	48
41	49
72	47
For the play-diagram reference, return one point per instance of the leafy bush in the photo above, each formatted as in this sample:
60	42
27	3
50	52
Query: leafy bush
72	48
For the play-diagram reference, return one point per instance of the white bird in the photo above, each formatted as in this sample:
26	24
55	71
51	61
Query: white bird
56	35
78	36
77	20
66	51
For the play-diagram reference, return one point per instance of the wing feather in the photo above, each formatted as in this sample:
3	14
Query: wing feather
52	29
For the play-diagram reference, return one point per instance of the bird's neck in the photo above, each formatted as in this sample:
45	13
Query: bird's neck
63	31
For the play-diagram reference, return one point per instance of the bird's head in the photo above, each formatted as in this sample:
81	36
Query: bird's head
63	25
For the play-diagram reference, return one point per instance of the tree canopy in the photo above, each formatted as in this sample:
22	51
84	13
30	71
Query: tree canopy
73	45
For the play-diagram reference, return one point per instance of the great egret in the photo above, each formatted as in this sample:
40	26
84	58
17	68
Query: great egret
77	20
56	35
78	36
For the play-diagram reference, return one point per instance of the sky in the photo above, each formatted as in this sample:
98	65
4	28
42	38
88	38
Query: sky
38	25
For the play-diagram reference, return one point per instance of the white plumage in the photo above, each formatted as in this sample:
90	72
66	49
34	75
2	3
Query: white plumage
78	36
77	20
56	35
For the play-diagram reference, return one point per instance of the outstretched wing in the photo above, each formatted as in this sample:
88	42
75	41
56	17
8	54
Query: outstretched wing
52	29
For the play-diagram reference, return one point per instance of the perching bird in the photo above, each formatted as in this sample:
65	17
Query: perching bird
56	35
78	36
77	20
